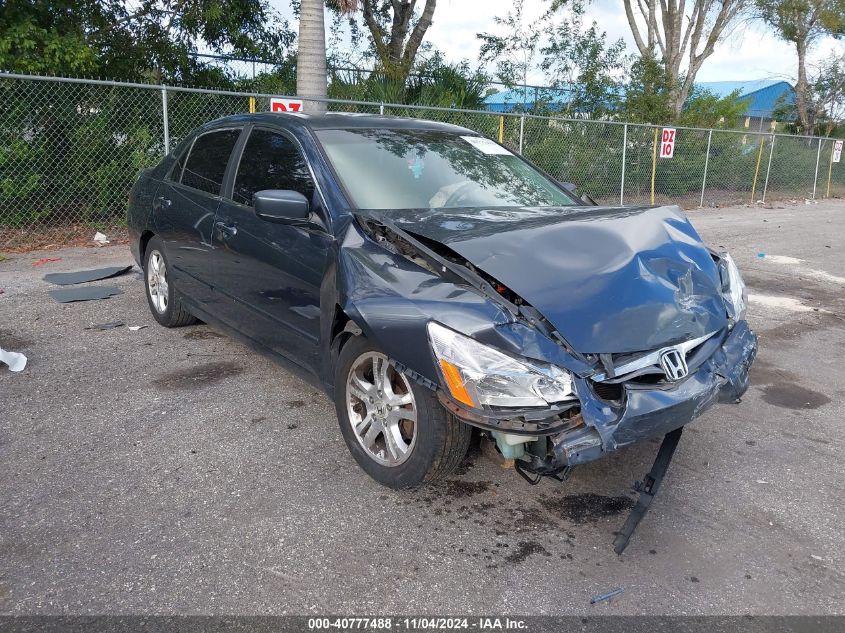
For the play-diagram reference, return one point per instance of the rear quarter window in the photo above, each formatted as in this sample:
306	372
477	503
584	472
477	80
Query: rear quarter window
206	163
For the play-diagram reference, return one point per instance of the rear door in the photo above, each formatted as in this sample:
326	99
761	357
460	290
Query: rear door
185	206
271	273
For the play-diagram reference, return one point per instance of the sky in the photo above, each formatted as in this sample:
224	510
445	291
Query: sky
750	52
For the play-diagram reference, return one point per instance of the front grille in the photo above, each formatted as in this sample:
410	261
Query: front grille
608	391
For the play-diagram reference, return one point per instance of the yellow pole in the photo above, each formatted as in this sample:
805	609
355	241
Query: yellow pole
252	105
653	163
502	129
830	169
757	170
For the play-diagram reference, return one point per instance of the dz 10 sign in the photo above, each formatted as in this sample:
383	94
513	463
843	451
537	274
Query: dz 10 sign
285	105
667	143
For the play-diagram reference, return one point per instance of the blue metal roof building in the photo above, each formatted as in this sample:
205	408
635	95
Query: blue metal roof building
762	96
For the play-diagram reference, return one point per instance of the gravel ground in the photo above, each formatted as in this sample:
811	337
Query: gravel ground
176	471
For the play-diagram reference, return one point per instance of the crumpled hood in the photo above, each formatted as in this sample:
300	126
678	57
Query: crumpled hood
611	280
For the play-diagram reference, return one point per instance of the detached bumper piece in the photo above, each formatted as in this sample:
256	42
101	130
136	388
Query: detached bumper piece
648	489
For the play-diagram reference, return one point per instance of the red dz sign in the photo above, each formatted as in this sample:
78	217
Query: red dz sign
285	105
667	143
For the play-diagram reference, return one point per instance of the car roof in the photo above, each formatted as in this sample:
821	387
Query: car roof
341	121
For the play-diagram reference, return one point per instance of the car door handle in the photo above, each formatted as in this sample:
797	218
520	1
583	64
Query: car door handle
228	230
164	203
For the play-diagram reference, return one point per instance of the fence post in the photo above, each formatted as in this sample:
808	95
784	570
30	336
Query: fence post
653	163
501	129
769	168
757	169
624	150
165	120
830	169
521	132
706	164
816	177
381	109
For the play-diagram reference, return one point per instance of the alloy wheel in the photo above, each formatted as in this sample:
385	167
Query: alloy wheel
157	281
382	409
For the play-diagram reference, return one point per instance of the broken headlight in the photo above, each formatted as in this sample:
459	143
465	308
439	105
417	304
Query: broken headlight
733	288
480	376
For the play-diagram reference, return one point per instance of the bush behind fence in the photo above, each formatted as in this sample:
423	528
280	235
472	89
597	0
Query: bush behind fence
70	150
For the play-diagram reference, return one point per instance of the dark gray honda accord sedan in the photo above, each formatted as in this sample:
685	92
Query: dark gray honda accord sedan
433	282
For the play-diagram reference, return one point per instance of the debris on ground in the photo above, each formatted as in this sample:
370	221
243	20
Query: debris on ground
90	293
135	328
46	260
101	239
606	596
2	257
106	326
15	360
83	276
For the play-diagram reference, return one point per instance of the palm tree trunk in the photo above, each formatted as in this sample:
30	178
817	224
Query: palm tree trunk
311	78
801	89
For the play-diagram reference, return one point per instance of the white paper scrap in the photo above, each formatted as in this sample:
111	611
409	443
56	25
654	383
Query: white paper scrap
14	360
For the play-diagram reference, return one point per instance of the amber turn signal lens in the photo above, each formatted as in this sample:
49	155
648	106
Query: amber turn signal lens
456	383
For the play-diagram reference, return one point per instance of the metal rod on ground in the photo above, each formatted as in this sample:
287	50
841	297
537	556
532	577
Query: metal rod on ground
706	164
165	120
769	168
757	169
624	150
653	163
521	132
816	177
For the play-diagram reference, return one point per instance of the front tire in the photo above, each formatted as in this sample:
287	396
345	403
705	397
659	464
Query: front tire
162	297
395	429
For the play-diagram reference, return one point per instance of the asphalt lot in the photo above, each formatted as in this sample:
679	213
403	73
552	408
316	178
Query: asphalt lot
176	471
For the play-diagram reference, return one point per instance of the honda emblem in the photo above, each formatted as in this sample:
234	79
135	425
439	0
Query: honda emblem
673	363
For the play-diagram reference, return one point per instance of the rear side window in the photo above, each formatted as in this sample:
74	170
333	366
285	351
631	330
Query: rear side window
206	163
271	161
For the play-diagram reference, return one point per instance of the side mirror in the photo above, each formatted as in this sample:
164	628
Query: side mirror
573	190
281	205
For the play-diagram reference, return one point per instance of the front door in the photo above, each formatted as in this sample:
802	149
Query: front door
269	273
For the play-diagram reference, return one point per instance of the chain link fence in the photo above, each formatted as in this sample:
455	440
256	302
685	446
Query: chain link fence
70	150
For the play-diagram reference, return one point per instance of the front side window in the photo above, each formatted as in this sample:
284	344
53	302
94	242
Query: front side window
271	161
431	169
206	163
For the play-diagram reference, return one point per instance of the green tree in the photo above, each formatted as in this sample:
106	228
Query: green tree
580	61
705	109
515	50
647	92
681	33
802	23
397	33
150	39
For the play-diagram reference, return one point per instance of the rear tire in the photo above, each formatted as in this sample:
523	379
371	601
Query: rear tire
434	443
162	296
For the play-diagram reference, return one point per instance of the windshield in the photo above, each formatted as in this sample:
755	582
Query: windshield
429	169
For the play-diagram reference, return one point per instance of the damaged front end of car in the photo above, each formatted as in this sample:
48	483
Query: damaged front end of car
446	303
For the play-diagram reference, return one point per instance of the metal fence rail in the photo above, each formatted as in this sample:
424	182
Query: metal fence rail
70	150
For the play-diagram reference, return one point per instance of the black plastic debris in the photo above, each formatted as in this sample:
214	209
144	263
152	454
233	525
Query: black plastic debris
83	276
106	326
89	293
